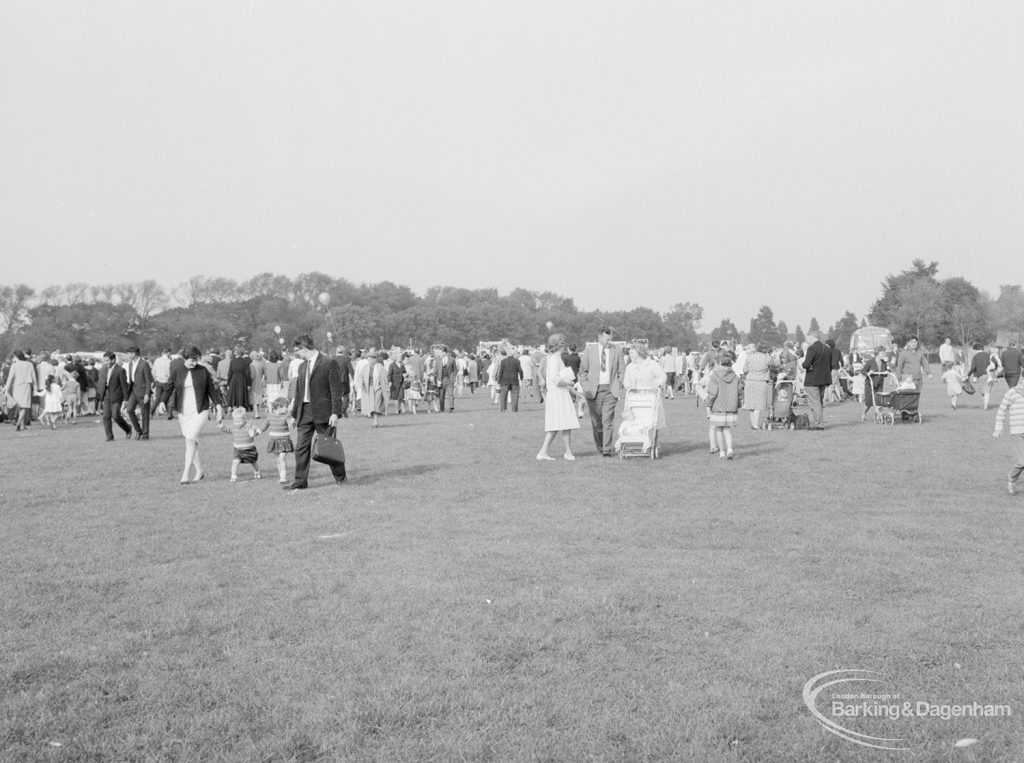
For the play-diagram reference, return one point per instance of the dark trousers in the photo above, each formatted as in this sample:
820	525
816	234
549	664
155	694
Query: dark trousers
112	412
304	429
503	390
158	394
446	395
602	418
816	400
141	427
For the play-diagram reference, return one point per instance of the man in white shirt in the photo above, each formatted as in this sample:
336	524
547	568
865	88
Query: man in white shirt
526	363
668	365
161	378
947	354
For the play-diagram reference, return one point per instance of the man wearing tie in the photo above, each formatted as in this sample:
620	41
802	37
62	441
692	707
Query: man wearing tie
111	390
446	369
319	403
140	385
600	377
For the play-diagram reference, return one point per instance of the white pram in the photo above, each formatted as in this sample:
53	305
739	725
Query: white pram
642	416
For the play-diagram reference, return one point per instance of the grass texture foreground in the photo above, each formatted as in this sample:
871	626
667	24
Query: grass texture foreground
458	600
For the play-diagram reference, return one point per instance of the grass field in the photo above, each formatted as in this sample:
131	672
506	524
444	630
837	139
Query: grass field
458	600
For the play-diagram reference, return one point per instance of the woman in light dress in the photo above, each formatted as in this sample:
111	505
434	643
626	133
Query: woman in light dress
645	376
195	390
559	410
757	385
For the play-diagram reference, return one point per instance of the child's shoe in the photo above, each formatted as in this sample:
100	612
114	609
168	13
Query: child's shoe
257	476
729	455
234	479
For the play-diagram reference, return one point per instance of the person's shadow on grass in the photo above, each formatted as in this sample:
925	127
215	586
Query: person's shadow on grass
390	474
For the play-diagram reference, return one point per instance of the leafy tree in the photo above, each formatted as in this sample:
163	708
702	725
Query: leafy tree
725	330
783	331
813	327
883	311
763	328
919	312
14	303
798	335
681	324
843	330
1008	309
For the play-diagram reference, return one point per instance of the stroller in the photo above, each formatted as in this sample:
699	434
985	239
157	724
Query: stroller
638	433
781	415
891	402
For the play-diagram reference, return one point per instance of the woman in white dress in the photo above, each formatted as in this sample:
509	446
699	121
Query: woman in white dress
644	378
559	410
194	390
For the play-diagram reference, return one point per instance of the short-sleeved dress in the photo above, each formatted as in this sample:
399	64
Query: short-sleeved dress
559	409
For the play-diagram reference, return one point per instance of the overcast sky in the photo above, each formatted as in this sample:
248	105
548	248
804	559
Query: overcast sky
630	153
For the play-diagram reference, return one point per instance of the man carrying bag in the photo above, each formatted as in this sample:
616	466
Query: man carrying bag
319	403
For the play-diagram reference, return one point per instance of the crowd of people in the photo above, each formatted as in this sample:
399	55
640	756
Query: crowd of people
306	392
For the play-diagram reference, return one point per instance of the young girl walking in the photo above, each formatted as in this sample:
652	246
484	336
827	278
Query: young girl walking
53	407
280	442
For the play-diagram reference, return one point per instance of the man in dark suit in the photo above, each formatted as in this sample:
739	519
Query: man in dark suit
446	370
317	407
111	391
818	365
510	371
140	389
347	373
601	371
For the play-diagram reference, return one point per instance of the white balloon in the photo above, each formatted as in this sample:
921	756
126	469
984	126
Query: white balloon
325	298
277	329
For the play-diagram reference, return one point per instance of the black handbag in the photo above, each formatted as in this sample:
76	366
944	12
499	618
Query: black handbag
967	386
327	449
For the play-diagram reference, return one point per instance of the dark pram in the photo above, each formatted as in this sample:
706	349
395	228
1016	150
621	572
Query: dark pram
892	403
781	415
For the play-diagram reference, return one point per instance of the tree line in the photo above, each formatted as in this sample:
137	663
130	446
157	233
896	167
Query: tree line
215	312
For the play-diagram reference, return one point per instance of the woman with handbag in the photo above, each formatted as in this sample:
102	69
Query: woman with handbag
195	391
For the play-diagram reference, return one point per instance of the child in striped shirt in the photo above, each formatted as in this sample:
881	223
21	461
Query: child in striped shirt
1013	404
280	436
243	438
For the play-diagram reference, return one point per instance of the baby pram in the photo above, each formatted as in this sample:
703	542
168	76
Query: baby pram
641	417
781	414
892	403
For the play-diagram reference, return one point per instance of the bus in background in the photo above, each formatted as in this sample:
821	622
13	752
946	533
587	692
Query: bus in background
865	340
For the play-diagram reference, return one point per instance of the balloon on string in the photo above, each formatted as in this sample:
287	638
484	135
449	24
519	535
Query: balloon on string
330	336
550	325
325	298
280	340
277	329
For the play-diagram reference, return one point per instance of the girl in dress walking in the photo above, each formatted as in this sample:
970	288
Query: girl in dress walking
53	406
280	442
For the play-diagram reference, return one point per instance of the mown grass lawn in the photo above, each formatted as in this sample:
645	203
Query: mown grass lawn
458	600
